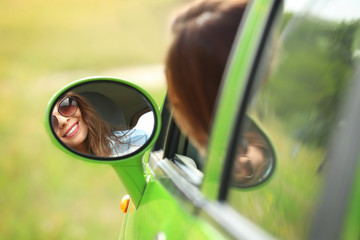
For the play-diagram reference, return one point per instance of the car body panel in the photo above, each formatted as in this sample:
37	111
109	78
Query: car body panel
161	202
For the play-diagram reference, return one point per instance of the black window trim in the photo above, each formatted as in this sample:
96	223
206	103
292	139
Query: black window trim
166	117
170	133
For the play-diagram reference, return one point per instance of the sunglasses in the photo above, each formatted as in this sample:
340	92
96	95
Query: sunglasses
66	107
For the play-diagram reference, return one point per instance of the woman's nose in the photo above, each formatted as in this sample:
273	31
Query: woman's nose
62	120
243	159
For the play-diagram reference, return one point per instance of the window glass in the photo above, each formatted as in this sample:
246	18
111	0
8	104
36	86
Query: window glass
189	161
313	57
177	147
146	123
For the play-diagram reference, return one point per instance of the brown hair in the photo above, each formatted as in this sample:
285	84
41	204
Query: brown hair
203	35
99	131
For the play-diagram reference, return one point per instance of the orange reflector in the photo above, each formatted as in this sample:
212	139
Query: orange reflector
124	205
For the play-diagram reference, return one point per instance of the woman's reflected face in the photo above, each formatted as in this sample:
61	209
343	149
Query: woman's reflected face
247	164
72	130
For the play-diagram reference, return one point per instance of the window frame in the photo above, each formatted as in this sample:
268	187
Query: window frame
243	61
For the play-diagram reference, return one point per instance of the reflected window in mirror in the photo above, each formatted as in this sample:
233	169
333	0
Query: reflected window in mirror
128	141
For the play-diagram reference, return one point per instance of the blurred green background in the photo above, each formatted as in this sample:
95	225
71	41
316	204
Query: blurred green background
44	45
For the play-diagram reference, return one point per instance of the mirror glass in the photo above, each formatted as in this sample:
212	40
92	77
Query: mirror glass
102	119
254	159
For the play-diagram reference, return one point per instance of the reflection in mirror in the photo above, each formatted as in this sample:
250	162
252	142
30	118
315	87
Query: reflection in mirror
255	159
103	119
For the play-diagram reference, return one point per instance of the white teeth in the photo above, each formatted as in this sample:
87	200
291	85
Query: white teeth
72	130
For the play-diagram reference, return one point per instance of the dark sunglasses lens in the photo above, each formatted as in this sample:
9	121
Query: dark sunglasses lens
54	123
244	143
68	106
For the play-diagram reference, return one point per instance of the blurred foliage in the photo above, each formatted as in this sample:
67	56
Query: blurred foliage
323	51
46	194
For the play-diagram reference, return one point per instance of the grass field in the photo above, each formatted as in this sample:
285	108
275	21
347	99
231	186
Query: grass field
46	194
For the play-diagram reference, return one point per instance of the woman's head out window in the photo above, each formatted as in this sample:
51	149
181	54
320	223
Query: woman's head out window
203	33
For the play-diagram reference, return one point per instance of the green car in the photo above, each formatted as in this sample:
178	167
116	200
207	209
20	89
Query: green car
293	80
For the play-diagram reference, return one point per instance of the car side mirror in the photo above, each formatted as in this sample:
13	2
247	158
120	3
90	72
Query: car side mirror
106	120
102	119
255	158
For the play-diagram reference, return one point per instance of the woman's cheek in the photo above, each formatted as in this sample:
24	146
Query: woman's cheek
84	129
237	175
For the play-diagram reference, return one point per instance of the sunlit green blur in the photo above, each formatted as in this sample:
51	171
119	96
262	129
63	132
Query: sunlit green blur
46	194
298	99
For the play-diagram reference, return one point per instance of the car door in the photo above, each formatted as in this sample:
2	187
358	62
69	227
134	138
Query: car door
182	209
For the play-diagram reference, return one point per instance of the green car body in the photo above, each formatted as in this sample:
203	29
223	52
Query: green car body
310	116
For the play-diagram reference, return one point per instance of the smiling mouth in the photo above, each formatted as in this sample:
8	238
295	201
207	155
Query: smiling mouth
72	131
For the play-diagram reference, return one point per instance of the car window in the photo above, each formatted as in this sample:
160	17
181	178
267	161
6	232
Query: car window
178	148
312	57
165	121
181	151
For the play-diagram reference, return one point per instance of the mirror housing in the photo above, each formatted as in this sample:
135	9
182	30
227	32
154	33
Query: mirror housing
114	94
255	156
